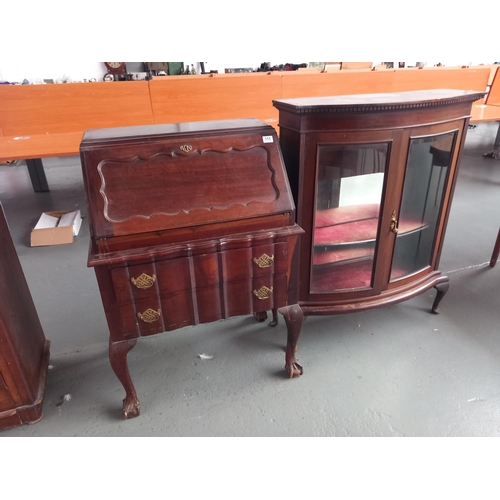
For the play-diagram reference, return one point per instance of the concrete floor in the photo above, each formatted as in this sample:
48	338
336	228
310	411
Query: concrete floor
395	371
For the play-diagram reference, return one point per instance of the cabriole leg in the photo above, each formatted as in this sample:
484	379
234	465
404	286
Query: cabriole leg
118	358
294	318
442	288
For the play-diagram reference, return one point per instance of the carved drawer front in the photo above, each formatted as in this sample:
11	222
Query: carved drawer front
135	282
248	269
143	317
174	283
216	281
269	292
138	298
271	258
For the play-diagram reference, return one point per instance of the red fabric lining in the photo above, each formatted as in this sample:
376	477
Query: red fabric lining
341	254
356	231
340	215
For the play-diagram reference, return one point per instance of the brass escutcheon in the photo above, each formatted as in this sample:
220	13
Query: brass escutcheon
144	281
150	315
186	148
263	292
264	260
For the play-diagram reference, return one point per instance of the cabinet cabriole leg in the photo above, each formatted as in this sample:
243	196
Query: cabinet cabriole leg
294	317
118	358
442	288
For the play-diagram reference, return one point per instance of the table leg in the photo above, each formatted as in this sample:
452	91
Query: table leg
496	251
37	175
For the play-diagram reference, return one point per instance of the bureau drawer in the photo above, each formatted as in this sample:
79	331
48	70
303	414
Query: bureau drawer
228	277
151	315
135	282
256	260
200	272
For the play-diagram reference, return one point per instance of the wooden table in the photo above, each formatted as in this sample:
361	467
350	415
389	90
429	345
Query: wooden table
35	148
482	113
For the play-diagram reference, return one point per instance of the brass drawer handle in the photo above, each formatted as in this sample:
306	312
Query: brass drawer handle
150	315
264	260
144	281
263	292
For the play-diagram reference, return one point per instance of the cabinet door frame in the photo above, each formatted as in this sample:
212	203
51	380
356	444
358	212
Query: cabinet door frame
422	131
307	201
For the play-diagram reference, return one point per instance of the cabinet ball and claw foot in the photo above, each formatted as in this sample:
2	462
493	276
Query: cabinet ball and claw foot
190	223
372	177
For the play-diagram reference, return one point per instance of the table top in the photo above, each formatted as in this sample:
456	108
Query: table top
485	113
37	146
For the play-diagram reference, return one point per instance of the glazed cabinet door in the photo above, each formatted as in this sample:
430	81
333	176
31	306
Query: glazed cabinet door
349	183
376	204
419	220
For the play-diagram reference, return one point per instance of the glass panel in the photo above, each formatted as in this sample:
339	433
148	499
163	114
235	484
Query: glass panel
347	207
426	172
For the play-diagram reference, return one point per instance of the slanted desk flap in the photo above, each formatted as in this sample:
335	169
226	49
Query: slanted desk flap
152	178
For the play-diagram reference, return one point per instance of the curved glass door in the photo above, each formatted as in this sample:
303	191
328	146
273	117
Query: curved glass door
350	179
429	160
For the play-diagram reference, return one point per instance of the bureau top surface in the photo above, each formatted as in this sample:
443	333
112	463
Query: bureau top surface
173	176
166	130
378	102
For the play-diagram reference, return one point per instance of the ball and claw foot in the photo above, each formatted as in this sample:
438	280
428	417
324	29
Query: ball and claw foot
260	316
294	369
131	407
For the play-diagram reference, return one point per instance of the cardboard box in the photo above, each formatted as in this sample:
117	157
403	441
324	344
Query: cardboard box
56	228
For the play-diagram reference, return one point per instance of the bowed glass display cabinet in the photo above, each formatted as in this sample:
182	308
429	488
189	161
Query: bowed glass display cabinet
373	178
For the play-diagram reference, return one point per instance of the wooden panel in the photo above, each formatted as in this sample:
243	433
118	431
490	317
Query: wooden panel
205	271
24	351
6	401
22	341
40	146
337	83
218	97
176	293
441	78
492	67
73	107
485	113
131	194
356	65
493	96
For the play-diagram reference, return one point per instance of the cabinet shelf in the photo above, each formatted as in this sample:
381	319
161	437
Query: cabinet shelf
353	225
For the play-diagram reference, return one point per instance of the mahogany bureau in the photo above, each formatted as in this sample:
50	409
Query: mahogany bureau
190	223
